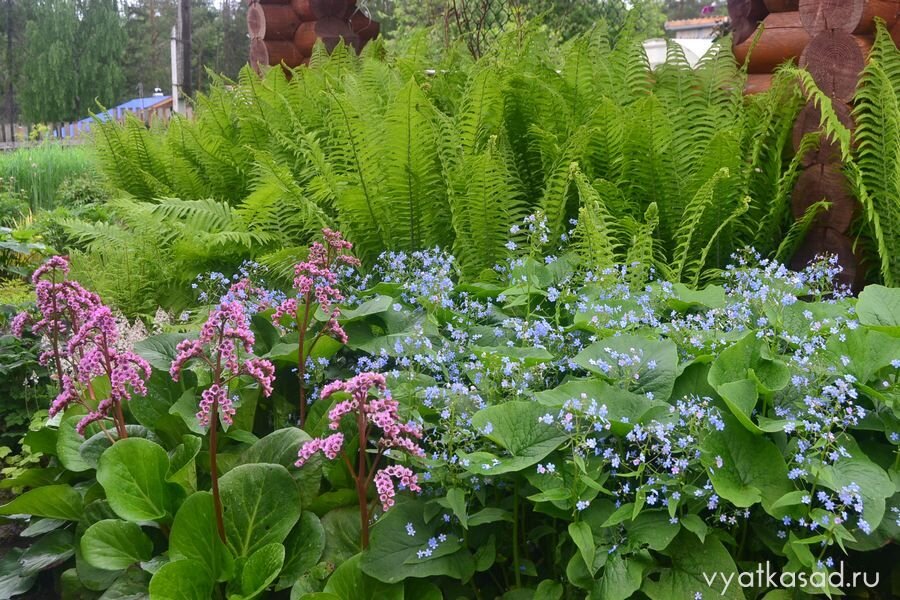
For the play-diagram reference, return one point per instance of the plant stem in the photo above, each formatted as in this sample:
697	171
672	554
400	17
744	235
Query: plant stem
301	367
214	469
361	479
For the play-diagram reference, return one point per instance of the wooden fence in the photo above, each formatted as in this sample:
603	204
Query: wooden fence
78	131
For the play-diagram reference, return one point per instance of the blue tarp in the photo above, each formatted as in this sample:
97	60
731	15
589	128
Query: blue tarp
135	105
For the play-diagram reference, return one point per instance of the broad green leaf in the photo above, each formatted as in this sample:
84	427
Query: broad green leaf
350	582
262	506
868	351
695	525
131	585
686	299
879	308
580	532
342	531
514	426
133	474
261	569
181	580
691	560
376	305
51	550
456	499
112	545
548	590
651	528
280	448
52	501
13	580
624	408
194	536
183	455
95	445
68	445
391	556
657	379
160	350
303	548
621	576
753	469
875	485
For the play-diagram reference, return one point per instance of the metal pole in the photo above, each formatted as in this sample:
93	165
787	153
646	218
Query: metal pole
176	85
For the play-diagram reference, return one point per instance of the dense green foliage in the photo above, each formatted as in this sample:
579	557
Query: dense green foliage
583	437
675	166
45	176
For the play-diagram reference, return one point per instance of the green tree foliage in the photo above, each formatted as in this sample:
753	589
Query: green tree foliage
73	52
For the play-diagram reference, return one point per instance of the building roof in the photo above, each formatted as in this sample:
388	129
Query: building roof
132	105
699	23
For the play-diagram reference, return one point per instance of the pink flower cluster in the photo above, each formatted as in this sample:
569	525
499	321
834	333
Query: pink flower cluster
380	412
83	335
223	337
384	483
316	280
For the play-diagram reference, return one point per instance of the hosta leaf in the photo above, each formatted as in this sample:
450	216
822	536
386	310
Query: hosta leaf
112	545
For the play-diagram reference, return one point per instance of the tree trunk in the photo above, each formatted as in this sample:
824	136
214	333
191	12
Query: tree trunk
10	73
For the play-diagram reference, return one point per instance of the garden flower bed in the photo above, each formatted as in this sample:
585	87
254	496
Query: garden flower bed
558	432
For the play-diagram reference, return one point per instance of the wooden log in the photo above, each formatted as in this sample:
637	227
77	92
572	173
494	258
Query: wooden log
330	31
313	10
363	26
835	59
268	1
272	21
825	182
809	121
266	53
758	83
820	241
774	6
895	33
745	16
783	38
850	16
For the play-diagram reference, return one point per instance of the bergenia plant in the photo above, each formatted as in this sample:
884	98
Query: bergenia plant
223	339
83	344
378	424
315	283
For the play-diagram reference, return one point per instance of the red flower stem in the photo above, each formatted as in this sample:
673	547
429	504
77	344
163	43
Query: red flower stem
361	478
301	367
213	444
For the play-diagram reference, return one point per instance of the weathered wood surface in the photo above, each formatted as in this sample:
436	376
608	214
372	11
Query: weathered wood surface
758	83
745	17
835	59
809	121
272	21
825	240
266	53
825	182
313	10
776	6
783	37
330	30
849	16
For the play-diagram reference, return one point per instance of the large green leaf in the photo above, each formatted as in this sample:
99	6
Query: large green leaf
13	580
513	426
160	350
303	548
52	501
261	506
131	585
261	569
350	582
181	580
621	576
95	445
392	557
874	483
753	469
693	563
133	474
68	445
879	308
194	536
112	545
49	551
624	408
658	379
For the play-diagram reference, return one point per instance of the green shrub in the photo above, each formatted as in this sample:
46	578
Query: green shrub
40	171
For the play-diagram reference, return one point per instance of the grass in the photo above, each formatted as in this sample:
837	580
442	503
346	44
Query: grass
37	172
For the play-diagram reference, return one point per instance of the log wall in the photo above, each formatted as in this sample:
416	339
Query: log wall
831	39
284	32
